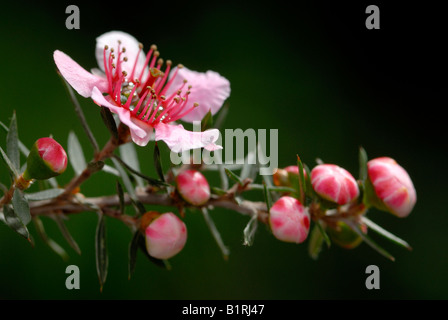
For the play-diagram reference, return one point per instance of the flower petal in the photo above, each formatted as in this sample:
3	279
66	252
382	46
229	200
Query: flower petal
209	90
79	78
178	139
127	41
140	131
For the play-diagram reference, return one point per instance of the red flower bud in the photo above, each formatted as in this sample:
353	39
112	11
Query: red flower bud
289	220
46	159
193	187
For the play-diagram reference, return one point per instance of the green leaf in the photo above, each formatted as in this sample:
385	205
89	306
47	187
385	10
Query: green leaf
44	195
249	162
218	191
120	196
233	176
362	156
324	234
223	176
21	206
116	159
267	198
38	224
66	233
102	258
133	249
315	243
215	233
25	151
109	121
158	162
207	121
255	186
124	177
14	222
12	143
373	226
75	154
9	164
129	155
368	240
302	184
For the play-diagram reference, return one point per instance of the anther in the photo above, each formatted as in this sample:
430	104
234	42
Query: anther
185	81
140	45
196	105
124	73
156	53
125	59
153	47
189	87
106	47
168	62
160	61
180	66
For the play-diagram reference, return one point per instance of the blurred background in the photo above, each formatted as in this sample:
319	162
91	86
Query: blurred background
312	71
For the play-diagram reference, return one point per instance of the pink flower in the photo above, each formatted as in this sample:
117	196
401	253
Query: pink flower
392	185
289	220
144	96
334	183
165	236
46	159
193	187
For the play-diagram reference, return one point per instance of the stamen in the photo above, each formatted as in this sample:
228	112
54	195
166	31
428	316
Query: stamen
140	47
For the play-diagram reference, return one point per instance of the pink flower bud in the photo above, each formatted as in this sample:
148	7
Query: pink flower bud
334	183
46	159
289	220
165	236
193	187
392	185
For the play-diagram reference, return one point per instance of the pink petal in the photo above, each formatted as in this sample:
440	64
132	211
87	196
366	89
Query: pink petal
209	90
140	131
178	139
79	78
127	41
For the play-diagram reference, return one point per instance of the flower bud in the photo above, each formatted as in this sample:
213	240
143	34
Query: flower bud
193	187
392	186
46	159
289	220
165	236
343	236
287	177
334	183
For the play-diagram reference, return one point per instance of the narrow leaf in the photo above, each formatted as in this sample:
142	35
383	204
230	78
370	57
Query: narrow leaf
80	115
102	258
109	121
14	222
324	234
233	176
44	195
38	224
21	206
249	162
129	155
151	181
267	198
362	164
133	249
25	151
368	240
12	143
373	226
158	162
207	121
120	196
125	178
315	243
224	177
75	154
221	116
66	233
9	164
250	229
215	233
302	183
111	170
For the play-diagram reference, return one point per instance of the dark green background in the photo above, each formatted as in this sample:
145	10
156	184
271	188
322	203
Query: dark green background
312	71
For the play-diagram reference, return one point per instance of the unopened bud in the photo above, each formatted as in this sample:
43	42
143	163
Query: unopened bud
287	177
46	159
334	183
165	236
289	220
393	189
193	187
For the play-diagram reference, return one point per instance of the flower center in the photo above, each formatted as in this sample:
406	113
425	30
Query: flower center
143	90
